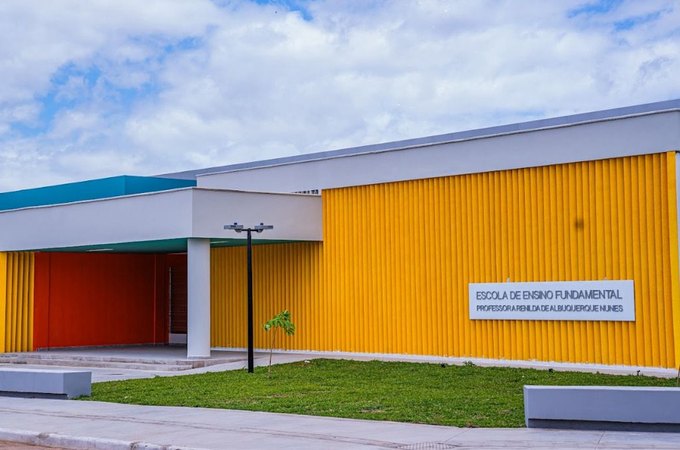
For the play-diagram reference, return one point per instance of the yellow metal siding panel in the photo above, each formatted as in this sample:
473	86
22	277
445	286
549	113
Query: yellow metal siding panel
392	274
16	302
284	277
11	309
3	300
673	303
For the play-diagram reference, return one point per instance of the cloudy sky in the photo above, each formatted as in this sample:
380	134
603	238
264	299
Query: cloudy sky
105	87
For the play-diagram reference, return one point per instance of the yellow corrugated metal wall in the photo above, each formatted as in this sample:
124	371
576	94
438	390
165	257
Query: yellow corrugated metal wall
286	276
392	274
16	302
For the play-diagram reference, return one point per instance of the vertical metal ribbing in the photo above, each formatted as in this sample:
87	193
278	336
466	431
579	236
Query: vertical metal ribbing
16	301
392	273
673	304
3	301
11	303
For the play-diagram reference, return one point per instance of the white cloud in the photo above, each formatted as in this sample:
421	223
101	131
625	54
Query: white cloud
156	86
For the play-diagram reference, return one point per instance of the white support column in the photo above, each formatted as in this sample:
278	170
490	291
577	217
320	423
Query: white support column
198	298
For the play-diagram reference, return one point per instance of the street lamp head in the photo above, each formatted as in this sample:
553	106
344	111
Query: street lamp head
257	228
261	227
235	226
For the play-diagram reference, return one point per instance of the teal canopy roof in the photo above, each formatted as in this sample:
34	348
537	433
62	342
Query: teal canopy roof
89	190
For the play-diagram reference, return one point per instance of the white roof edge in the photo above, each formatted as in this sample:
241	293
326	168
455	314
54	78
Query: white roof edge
97	200
410	147
469	135
152	193
246	191
174	214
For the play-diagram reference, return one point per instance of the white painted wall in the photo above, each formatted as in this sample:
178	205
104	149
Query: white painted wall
625	136
182	213
198	298
145	217
294	216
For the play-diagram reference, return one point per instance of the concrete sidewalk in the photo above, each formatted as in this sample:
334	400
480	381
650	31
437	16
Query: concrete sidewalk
102	374
80	424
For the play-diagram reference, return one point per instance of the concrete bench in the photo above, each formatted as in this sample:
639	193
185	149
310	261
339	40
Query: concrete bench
602	407
45	383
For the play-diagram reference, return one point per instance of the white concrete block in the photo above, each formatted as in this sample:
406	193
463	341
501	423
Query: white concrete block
624	407
45	383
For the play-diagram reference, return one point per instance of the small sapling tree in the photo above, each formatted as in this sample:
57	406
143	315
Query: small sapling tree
280	321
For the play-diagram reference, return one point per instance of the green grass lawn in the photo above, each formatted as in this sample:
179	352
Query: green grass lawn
467	396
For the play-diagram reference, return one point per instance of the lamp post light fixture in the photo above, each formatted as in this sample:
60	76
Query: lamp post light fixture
258	229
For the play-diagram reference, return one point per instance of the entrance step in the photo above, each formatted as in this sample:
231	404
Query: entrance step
103	361
96	364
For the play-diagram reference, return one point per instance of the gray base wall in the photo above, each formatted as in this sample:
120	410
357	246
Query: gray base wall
603	426
602	407
45	383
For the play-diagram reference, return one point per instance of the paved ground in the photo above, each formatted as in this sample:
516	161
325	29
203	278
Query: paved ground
4	445
80	424
237	360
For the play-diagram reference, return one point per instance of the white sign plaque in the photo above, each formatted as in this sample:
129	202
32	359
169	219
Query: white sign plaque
553	300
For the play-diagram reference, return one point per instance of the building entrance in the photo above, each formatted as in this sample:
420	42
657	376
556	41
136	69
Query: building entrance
177	293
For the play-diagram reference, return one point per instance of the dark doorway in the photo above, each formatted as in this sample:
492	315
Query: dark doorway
177	284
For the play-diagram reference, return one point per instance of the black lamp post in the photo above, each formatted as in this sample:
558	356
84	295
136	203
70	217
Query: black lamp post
258	229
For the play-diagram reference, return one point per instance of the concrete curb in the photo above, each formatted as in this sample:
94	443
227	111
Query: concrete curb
79	442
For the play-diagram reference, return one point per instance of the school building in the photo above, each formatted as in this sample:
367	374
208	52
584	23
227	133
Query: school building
551	240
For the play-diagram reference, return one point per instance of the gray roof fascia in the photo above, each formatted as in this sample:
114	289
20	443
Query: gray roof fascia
480	133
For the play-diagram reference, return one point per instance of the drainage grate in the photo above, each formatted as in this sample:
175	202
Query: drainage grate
427	446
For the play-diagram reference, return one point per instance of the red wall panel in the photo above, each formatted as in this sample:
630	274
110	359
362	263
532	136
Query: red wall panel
41	297
100	299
